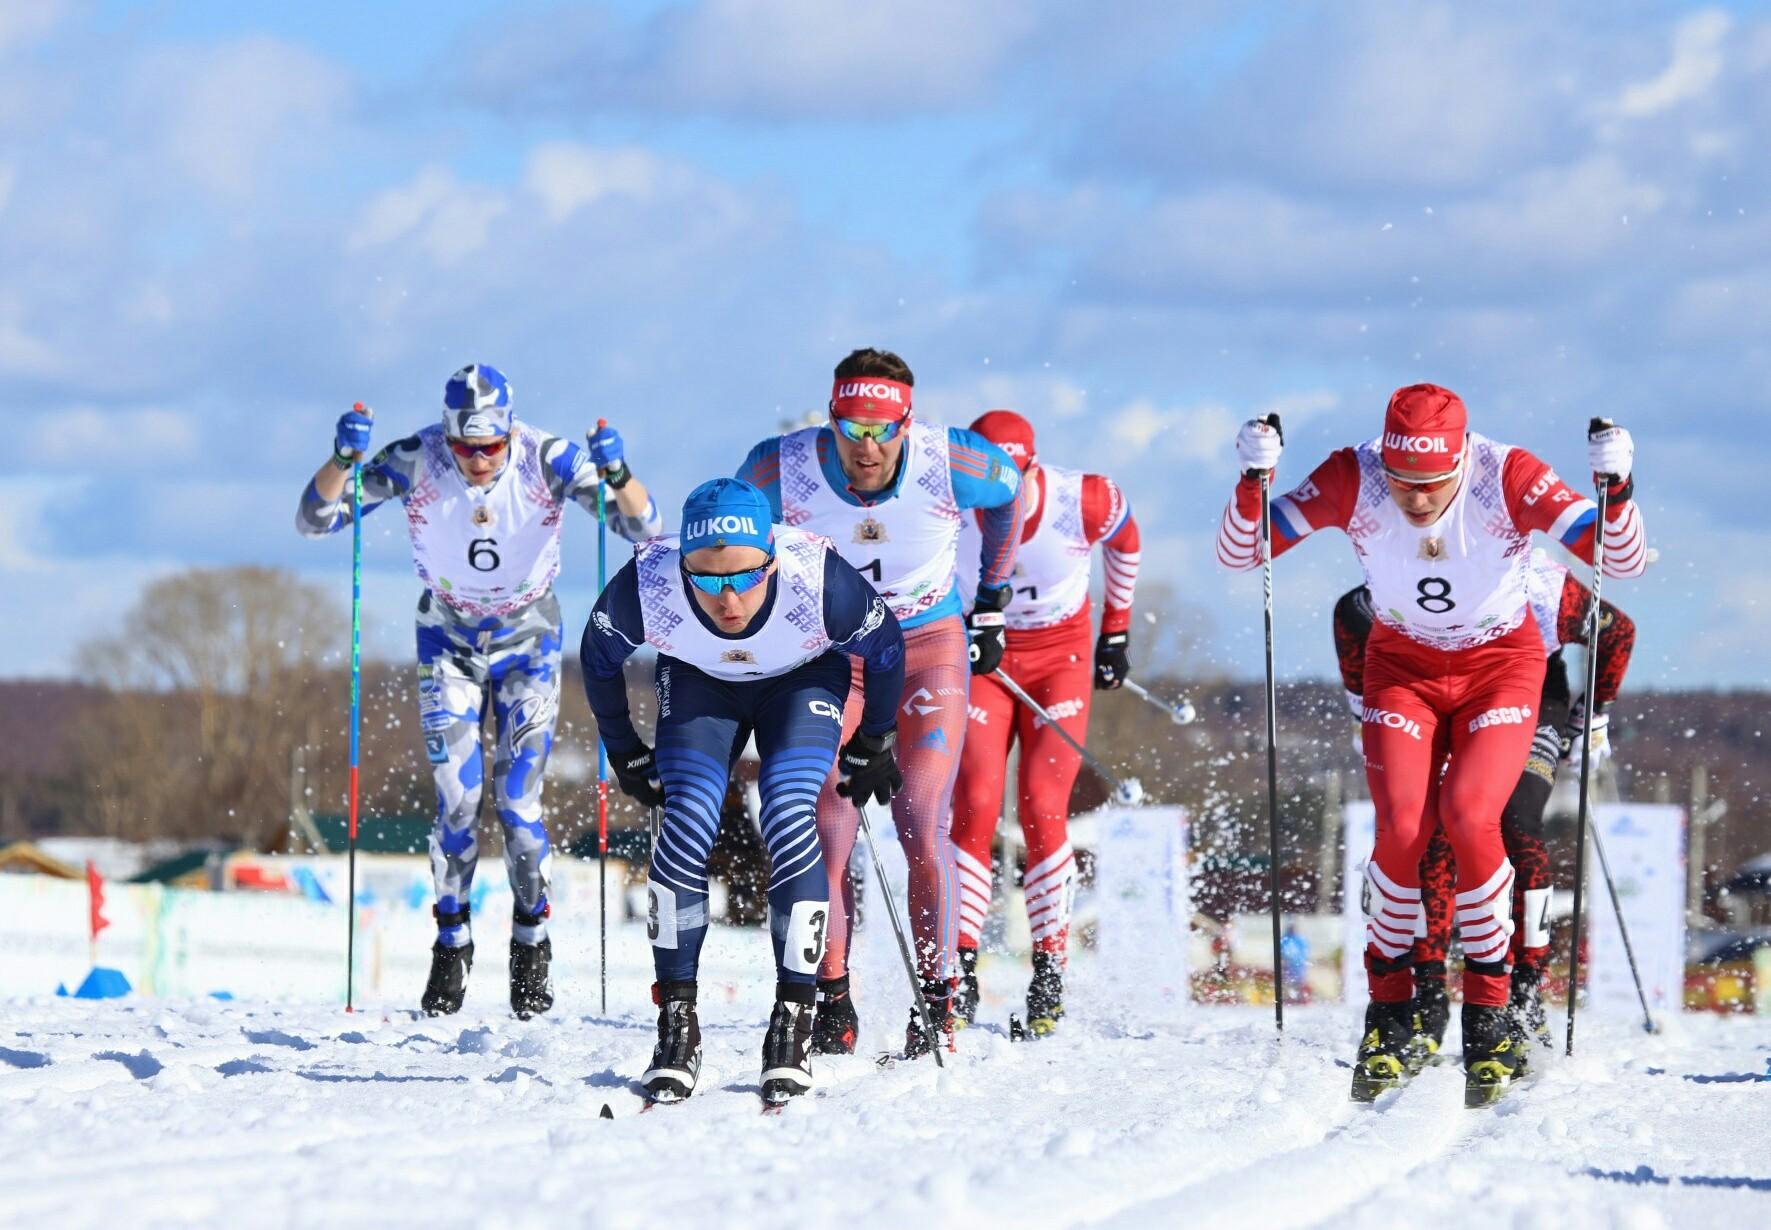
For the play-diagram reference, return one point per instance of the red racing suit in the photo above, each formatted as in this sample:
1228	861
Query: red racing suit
1454	670
1049	655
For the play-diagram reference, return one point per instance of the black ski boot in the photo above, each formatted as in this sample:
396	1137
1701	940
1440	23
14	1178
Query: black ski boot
938	996
1045	995
676	1060
531	986
965	1003
1491	1054
1525	1009
835	1028
787	1047
1381	1064
1429	1016
447	985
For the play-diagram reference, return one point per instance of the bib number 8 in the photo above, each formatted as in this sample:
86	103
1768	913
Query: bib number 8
1435	595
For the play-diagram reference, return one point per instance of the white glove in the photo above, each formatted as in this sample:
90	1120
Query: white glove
1257	446
1610	451
1599	741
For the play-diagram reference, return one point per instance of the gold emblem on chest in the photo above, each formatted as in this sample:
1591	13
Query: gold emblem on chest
869	530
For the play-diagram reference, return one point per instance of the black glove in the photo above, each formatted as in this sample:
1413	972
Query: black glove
986	629
637	771
868	768
1112	667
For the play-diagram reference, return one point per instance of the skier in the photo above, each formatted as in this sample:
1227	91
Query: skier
890	490
1049	625
751	621
484	495
1441	518
1559	604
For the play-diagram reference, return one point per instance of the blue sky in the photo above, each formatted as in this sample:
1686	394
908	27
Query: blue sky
1138	224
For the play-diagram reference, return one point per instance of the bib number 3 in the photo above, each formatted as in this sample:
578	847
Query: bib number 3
1435	595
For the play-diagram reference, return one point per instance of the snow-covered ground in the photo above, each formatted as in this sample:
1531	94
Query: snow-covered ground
1145	1112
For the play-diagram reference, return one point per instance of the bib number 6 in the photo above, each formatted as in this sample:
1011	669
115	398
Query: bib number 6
480	555
1435	595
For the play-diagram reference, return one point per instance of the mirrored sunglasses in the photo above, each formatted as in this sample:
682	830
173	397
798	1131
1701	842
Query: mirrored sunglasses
716	583
879	433
467	448
1415	484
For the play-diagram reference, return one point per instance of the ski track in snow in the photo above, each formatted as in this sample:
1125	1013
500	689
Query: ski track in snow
161	1113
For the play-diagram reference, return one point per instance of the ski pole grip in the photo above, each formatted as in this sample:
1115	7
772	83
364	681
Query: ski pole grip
363	410
602	423
1271	420
1595	425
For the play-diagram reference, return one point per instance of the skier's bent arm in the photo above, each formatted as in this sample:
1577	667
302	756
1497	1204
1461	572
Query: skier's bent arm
1322	501
573	476
615	629
861	625
325	510
1107	519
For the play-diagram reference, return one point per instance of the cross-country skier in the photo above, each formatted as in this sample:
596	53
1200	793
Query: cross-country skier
1050	627
484	495
1559	604
755	625
891	491
1441	519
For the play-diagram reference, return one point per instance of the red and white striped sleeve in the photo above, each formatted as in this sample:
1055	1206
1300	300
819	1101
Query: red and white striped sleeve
1538	499
1322	501
1107	519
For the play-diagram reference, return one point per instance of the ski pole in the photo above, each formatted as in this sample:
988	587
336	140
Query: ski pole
1128	791
1586	739
602	759
350	934
1266	477
1180	712
1622	929
891	909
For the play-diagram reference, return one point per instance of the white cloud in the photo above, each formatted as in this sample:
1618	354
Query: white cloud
28	20
446	218
94	440
223	113
1696	66
567	176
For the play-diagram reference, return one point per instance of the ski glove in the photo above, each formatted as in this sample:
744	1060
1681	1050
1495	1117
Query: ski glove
1610	450
1258	445
1112	667
986	629
353	432
869	769
1599	740
609	455
637	771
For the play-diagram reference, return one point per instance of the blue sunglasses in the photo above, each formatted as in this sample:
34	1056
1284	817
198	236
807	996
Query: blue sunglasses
716	583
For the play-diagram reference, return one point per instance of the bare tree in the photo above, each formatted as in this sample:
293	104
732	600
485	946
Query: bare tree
215	674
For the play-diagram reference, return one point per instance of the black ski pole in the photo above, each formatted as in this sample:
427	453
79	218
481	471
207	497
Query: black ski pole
891	909
1266	477
1586	737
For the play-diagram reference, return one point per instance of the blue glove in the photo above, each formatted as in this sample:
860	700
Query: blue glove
353	433
606	451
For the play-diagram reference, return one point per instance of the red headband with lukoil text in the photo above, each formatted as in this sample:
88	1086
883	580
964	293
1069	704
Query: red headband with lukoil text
870	397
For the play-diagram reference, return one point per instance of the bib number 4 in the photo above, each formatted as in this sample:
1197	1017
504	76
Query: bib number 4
1435	595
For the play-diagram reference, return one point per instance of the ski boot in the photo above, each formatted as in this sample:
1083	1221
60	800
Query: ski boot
787	1047
531	987
938	996
1491	1054
1045	995
447	984
1430	1014
676	1060
835	1028
965	1001
1380	1065
1526	1011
